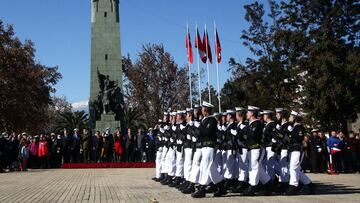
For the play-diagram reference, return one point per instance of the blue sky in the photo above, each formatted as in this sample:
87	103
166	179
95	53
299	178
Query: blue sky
60	30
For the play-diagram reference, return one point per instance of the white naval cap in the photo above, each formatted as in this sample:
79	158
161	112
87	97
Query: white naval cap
315	130
267	112
75	129
166	113
237	109
216	114
172	113
223	113
196	106
253	108
181	112
230	111
279	110
160	121
207	104
189	109
295	113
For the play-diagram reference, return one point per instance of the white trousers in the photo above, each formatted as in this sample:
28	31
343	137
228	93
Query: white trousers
158	162
296	174
283	167
208	169
243	165
270	163
218	161
171	161
231	169
195	167
164	168
179	164
256	170
187	163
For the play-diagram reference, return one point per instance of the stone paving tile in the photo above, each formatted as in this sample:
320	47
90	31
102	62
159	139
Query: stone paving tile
135	185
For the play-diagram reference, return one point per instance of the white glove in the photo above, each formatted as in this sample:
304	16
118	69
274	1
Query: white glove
219	127
162	130
166	127
278	127
290	128
159	138
180	142
242	126
223	128
273	140
181	127
197	124
194	139
165	139
177	141
233	132
171	140
173	128
319	149
191	123
188	137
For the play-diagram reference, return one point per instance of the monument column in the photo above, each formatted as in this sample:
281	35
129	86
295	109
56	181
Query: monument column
106	89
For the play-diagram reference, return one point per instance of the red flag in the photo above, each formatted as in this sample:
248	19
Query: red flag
207	45
189	48
218	47
201	47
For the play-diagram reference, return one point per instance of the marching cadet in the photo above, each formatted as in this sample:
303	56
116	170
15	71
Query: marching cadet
195	167
242	150
180	135
296	136
171	154
166	142
269	138
159	144
256	154
219	146
188	149
208	170
281	147
231	168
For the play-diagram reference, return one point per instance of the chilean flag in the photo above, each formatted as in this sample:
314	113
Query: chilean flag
201	47
189	48
207	45
217	47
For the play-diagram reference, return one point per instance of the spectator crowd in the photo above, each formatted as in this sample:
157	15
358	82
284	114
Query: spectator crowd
18	152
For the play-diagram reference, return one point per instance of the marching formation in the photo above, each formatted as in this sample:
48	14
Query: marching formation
244	151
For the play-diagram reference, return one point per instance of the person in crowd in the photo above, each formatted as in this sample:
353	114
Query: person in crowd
335	148
75	149
66	142
97	146
86	145
130	146
24	155
118	146
43	152
139	150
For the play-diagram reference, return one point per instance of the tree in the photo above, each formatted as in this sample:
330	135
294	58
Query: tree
331	53
133	119
59	106
25	85
71	120
155	83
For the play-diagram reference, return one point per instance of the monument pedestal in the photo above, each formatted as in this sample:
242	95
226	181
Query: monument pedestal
107	121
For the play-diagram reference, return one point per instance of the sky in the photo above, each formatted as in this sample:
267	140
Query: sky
60	30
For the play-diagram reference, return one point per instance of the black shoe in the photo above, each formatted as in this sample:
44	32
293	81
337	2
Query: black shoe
176	182
266	189
154	179
190	189
240	188
165	179
162	176
250	191
291	190
308	189
221	191
200	193
183	185
211	188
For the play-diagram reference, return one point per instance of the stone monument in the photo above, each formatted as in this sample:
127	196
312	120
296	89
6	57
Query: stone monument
106	90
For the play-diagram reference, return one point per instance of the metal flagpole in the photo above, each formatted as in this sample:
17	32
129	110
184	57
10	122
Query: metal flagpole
188	49
207	63
198	61
217	68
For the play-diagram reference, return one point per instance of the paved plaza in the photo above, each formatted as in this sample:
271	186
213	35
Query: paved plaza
134	185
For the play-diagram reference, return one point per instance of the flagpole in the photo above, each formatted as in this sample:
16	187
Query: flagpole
187	30
217	68
207	63
198	61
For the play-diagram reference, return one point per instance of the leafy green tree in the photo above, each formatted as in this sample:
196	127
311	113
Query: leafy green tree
133	119
25	85
71	120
